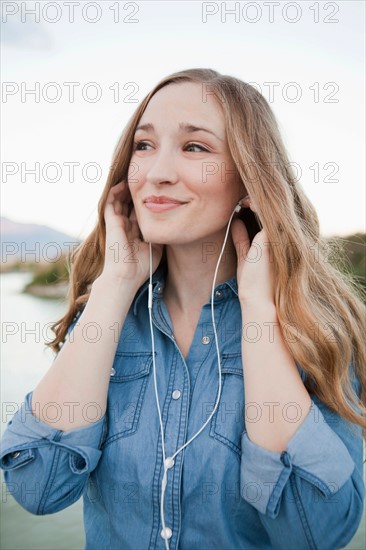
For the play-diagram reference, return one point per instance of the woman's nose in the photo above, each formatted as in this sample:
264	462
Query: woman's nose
162	168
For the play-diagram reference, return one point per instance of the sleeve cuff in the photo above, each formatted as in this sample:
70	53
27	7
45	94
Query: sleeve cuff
310	454
25	433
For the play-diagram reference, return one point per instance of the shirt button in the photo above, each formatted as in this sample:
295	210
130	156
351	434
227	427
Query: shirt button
176	394
113	371
206	340
218	293
15	454
160	289
167	534
169	462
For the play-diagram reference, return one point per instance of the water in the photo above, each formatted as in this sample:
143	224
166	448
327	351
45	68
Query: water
24	361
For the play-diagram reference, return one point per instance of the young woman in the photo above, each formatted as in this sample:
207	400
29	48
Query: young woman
222	404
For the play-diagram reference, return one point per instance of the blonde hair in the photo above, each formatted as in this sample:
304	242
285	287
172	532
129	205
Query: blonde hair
318	307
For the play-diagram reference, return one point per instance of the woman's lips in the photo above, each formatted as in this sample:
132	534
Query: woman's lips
162	206
162	203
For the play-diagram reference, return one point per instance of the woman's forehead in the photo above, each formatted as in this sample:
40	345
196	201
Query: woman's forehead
186	101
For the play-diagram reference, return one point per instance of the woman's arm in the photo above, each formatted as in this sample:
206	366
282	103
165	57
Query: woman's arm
272	380
53	443
78	379
301	462
46	469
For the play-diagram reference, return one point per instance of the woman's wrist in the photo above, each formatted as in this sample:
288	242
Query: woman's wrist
256	306
113	283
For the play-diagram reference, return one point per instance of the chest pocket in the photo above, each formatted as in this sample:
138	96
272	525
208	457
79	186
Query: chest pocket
228	424
128	380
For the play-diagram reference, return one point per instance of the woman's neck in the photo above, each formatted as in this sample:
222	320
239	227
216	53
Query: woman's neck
191	270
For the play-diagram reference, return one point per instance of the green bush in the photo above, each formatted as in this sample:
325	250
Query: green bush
349	257
50	274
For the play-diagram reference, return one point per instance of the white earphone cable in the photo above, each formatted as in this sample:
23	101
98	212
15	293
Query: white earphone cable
150	298
156	397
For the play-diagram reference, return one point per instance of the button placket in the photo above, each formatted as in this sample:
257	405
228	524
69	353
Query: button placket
172	504
172	438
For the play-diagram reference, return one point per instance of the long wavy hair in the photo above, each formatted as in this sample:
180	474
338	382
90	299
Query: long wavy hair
319	308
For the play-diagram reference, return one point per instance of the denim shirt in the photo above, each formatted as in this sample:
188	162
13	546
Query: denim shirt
223	491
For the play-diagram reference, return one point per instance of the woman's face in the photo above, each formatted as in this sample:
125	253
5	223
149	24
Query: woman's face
183	182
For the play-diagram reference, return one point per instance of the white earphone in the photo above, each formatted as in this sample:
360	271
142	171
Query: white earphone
169	462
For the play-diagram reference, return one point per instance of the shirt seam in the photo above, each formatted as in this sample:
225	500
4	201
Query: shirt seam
158	305
51	477
301	511
208	353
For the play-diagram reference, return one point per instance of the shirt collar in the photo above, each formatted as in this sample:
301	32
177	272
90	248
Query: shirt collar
158	282
233	284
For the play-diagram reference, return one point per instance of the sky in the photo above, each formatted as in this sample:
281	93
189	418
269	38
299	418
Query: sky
306	58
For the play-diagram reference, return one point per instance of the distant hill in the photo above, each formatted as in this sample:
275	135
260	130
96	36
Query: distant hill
33	243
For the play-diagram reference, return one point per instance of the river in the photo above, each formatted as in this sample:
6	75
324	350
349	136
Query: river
24	360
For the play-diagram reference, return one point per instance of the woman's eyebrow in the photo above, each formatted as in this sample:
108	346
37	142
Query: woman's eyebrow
183	127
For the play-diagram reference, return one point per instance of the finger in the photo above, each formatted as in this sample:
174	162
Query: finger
117	199
118	207
120	188
240	238
262	242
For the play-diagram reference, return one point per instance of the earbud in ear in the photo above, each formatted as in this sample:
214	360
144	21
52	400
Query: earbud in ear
239	206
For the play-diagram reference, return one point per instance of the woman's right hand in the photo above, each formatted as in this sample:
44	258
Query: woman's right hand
126	254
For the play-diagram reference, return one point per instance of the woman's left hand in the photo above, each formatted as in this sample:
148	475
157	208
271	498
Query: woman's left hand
255	268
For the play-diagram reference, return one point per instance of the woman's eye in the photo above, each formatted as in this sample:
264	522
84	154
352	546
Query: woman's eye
142	146
200	147
139	145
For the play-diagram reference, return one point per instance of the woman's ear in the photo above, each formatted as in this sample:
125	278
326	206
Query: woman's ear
247	202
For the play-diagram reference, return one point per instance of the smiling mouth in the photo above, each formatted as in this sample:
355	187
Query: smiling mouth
154	206
162	203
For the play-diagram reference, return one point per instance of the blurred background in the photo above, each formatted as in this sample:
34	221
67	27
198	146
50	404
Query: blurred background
72	75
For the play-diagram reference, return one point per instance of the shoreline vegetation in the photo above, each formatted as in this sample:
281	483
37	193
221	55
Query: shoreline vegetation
50	280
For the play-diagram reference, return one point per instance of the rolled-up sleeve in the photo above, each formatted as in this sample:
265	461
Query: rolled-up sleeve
311	495
46	469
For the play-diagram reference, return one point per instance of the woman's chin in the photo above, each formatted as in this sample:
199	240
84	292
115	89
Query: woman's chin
156	237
